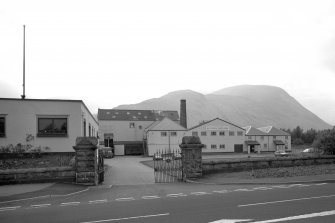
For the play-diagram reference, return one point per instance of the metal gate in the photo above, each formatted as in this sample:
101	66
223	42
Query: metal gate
168	166
101	170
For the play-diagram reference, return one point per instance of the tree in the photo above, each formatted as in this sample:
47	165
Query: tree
325	140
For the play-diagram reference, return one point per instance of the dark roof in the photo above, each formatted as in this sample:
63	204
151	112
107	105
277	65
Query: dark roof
251	142
252	131
278	142
204	123
136	115
273	131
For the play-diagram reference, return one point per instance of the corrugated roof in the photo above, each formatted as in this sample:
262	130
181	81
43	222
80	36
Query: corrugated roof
136	115
273	131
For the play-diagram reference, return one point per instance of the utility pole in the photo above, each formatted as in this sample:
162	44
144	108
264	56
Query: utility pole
23	96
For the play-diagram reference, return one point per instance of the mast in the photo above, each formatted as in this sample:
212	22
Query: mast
24	63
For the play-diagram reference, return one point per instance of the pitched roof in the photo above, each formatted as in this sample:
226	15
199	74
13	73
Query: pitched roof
165	124
204	123
252	142
252	131
273	131
278	142
136	115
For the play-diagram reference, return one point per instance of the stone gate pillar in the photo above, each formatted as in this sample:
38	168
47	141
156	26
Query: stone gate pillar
86	160
191	157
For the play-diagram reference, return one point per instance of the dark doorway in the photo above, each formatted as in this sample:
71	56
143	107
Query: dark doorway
238	148
133	149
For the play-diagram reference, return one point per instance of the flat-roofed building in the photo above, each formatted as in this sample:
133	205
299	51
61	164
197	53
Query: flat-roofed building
49	124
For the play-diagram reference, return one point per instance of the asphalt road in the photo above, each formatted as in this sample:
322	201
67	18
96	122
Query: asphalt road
182	203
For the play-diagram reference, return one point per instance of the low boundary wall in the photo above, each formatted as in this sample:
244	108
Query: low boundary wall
211	166
37	175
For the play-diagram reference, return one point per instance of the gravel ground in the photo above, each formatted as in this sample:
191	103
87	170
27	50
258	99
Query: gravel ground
294	171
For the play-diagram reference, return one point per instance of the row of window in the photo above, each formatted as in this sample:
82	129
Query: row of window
132	125
262	137
171	134
221	133
213	146
50	127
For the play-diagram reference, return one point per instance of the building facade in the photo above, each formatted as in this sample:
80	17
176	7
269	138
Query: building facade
51	125
164	135
267	139
124	129
219	135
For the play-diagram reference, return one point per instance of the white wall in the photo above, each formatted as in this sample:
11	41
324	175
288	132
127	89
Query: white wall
156	142
119	150
121	130
21	119
228	141
269	141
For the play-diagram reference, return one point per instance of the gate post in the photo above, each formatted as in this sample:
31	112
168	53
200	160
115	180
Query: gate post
191	157
86	160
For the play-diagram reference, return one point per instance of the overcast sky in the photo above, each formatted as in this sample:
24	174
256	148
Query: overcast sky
109	53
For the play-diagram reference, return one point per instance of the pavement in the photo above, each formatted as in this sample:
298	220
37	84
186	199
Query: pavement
120	171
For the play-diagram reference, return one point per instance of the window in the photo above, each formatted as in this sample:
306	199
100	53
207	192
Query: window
265	145
239	133
131	125
249	137
213	146
203	133
262	137
173	133
274	137
52	127
286	137
222	133
139	127
2	127
194	133
89	130
213	133
163	134
205	146
231	133
84	128
222	146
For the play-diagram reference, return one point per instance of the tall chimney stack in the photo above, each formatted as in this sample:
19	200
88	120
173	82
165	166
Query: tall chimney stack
183	116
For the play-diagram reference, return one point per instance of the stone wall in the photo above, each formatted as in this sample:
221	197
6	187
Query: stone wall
37	175
210	166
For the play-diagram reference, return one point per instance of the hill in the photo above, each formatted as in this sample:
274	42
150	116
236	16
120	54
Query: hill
244	105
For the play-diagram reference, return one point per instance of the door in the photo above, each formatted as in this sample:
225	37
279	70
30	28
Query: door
238	148
133	149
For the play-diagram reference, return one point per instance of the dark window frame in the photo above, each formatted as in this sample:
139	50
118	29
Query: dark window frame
203	133
52	133
3	133
222	133
195	134
213	133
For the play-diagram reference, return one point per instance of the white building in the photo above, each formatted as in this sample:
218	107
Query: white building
52	125
124	129
164	135
219	136
267	139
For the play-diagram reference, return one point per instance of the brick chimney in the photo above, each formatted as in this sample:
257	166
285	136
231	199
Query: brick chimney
183	116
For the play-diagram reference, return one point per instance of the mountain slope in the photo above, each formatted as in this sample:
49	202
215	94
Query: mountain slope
243	105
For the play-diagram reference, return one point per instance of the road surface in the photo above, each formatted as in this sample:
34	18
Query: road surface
181	202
